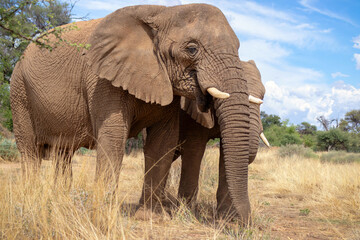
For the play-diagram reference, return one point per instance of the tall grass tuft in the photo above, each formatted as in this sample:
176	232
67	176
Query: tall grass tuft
296	150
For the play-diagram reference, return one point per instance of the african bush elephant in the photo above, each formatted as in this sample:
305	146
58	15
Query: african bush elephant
141	59
196	128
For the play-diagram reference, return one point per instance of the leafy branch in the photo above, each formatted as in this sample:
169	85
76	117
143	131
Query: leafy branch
41	24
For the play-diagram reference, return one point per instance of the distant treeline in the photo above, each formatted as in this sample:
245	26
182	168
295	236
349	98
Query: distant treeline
336	134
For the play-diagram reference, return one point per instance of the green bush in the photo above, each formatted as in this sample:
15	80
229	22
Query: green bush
334	139
340	157
298	150
309	141
5	110
354	142
282	135
8	150
83	151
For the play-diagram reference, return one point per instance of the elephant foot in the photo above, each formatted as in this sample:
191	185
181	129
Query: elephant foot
157	214
227	213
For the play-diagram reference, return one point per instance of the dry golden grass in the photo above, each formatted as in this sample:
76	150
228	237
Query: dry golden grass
291	198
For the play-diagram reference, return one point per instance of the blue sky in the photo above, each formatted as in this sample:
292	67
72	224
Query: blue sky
308	51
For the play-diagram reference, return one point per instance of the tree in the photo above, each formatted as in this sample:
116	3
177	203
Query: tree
325	123
344	125
334	139
22	22
353	120
306	128
269	120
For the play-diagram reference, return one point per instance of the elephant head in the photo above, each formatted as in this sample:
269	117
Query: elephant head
256	96
155	52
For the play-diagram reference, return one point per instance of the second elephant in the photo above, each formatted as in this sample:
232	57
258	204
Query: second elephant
194	136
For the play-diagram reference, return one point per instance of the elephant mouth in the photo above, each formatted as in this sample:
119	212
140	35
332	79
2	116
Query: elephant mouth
203	101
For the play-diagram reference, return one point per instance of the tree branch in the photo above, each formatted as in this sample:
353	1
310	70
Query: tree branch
22	36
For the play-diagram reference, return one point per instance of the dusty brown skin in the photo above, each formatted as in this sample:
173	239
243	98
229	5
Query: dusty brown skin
97	98
194	134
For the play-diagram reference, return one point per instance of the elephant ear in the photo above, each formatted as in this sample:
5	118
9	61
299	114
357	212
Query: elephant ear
206	119
122	51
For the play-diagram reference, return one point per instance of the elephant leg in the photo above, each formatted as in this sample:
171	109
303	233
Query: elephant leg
24	131
110	148
159	151
192	152
225	208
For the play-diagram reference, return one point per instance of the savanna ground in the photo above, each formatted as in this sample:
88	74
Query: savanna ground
291	198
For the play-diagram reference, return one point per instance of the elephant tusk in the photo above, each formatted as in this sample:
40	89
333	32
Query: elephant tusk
256	100
263	138
216	93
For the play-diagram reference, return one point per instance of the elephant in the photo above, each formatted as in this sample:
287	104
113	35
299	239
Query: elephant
197	127
141	60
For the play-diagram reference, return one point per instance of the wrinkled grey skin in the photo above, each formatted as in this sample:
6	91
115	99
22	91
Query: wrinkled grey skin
141	58
194	136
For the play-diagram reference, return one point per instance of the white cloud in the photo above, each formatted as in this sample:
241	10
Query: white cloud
339	74
287	75
356	41
357	60
262	51
273	29
307	4
309	102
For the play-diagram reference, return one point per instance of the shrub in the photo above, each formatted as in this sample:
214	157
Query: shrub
334	139
298	150
354	142
8	150
83	151
309	141
340	157
5	110
282	135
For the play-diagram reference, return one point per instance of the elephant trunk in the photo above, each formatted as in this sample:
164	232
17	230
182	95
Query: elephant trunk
255	131
233	118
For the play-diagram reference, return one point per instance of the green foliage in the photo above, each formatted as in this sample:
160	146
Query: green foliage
340	157
134	144
24	21
334	139
269	120
354	142
297	150
83	151
5	110
214	142
352	119
282	135
304	212
306	128
344	125
309	141
8	150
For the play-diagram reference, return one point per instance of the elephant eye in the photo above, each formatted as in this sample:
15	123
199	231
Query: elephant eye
192	50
